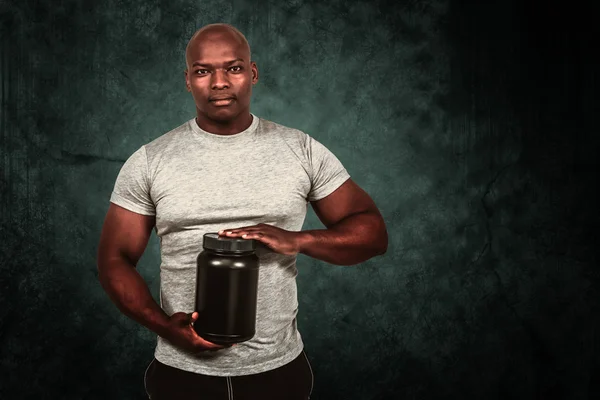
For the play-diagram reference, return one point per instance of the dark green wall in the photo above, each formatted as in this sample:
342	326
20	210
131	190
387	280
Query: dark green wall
471	129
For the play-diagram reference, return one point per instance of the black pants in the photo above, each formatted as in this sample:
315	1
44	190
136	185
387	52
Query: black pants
293	381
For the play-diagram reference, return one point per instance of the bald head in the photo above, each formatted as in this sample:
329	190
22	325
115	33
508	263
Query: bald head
220	74
214	32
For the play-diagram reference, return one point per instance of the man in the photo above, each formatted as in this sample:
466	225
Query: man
231	172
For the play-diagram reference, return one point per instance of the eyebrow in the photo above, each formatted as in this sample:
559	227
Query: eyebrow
199	64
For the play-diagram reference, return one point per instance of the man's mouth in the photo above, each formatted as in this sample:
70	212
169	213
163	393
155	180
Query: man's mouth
220	98
222	102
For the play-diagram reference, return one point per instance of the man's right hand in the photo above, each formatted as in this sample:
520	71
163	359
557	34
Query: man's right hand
181	333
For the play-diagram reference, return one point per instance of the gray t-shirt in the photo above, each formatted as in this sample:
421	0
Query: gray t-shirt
197	182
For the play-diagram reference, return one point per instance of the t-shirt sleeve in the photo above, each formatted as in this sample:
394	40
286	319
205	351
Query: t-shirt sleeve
326	173
132	188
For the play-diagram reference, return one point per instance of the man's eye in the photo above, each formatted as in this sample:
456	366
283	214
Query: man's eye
201	71
234	68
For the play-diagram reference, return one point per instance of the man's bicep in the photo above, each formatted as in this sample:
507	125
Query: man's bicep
346	200
125	234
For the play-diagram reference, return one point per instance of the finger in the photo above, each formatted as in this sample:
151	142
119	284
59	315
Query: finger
253	235
208	346
244	232
237	233
260	227
200	341
225	231
229	233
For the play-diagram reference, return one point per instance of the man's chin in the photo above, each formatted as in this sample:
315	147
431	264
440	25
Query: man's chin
222	115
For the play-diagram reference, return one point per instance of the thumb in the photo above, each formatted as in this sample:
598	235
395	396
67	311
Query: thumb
193	317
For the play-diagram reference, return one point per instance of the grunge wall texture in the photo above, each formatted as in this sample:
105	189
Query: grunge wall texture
474	130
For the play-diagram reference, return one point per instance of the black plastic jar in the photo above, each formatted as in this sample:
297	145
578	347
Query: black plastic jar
226	289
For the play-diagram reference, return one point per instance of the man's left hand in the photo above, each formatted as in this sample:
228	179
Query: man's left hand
277	239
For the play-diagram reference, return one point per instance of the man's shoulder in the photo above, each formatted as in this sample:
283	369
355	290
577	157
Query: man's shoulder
167	139
270	127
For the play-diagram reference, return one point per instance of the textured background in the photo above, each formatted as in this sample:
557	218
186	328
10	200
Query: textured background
470	127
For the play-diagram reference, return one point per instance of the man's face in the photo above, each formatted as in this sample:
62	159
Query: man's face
220	76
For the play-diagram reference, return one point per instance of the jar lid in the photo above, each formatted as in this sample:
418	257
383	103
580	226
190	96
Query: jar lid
212	241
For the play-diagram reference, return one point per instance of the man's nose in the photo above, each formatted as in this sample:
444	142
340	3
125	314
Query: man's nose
219	80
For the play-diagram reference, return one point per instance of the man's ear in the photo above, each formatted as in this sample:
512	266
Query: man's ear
254	73
187	82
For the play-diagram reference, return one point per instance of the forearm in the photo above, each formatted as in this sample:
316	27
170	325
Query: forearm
130	293
352	240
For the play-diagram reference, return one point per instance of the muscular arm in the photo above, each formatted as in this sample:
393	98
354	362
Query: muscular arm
124	238
355	230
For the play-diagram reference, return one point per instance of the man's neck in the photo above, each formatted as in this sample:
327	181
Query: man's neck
237	125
